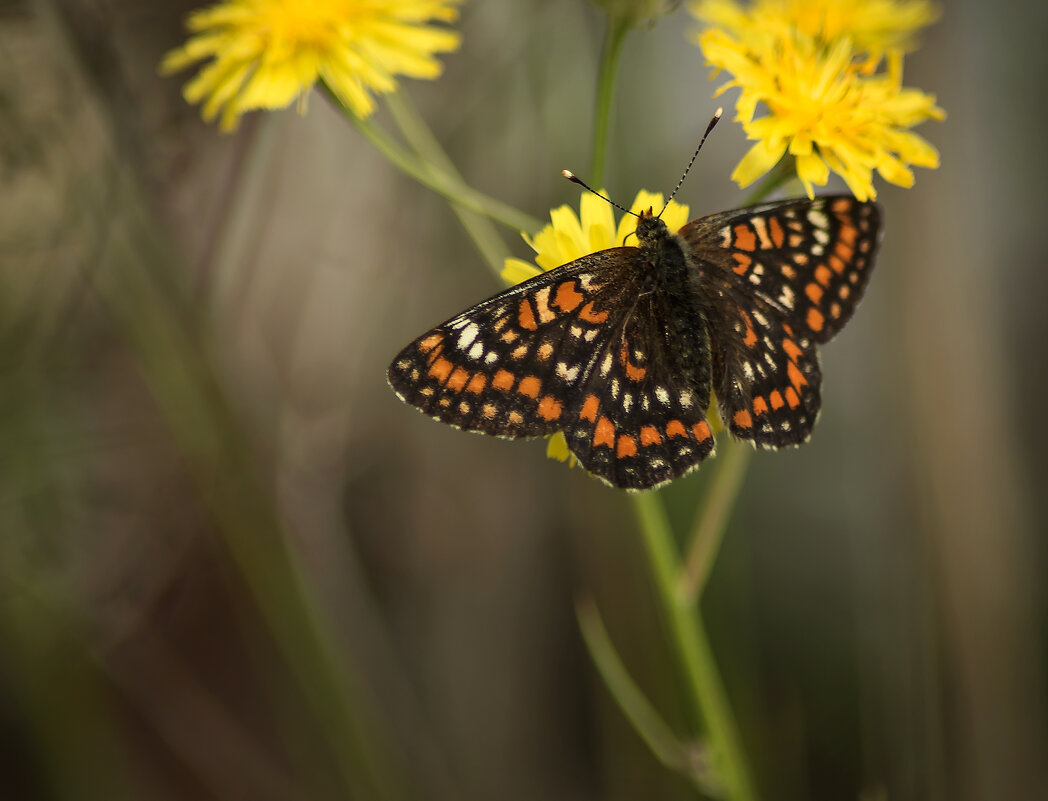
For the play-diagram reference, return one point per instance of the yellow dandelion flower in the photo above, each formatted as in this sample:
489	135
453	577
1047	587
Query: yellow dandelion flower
570	236
827	105
264	54
875	27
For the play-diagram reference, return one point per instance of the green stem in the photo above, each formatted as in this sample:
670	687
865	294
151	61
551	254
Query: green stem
776	177
421	139
609	63
711	519
671	752
689	635
438	180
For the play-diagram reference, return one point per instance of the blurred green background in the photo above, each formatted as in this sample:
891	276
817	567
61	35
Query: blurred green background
233	565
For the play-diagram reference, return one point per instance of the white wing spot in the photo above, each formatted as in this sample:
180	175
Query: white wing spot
615	388
567	373
605	366
476	351
491	358
662	395
685	399
818	219
469	333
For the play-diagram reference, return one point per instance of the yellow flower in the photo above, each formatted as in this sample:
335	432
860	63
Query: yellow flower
875	27
827	104
570	236
264	54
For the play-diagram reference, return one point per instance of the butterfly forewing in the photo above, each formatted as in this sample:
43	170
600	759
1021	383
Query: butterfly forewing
510	365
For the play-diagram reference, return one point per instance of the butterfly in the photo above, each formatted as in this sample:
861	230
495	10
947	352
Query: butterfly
624	350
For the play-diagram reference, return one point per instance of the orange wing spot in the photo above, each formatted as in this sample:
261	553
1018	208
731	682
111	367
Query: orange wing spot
848	234
743	263
530	386
526	316
503	380
792	350
796	376
477	383
814	292
649	435
675	428
751	336
589	409
604	433
634	373
791	398
760	406
591	316
837	263
441	369
488	411
823	275
626	446
457	380
545	351
841	205
844	250
778	236
430	342
745	239
815	319
567	297
516	418
550	408
776	400
701	430
519	352
509	337
742	419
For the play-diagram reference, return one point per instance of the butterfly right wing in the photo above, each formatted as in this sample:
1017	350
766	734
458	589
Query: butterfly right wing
510	366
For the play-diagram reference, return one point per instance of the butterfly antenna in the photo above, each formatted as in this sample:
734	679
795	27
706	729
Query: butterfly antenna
576	180
713	122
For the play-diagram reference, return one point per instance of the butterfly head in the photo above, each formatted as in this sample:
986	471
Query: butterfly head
650	228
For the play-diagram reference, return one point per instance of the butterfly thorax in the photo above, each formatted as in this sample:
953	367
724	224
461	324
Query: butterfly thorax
672	277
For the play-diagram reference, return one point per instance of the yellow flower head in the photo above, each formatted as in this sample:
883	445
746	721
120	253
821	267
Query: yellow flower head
570	236
264	54
813	66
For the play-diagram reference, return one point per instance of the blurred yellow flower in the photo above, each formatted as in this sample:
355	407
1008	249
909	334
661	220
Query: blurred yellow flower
570	236
814	65
264	54
875	27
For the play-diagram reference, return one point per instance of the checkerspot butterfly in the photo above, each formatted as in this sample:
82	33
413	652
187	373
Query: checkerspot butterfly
624	349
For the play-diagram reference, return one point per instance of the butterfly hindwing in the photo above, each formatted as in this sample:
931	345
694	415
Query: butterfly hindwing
639	420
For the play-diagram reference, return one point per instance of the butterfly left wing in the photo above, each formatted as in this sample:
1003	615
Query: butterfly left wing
779	278
509	365
639	417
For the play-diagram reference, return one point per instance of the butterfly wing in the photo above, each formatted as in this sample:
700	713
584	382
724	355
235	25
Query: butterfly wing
639	419
510	365
777	279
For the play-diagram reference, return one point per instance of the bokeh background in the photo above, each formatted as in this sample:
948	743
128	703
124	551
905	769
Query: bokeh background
233	565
